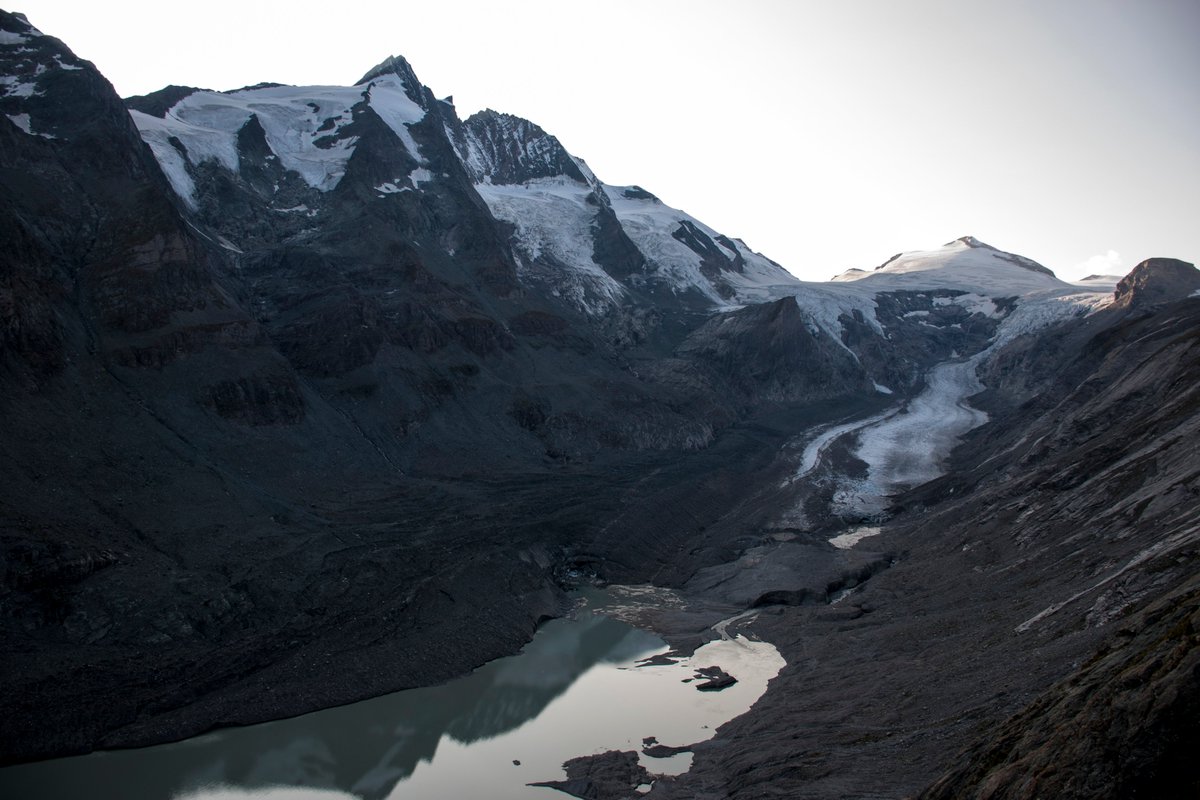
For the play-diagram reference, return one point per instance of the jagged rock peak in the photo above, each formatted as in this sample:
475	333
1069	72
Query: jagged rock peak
399	66
505	149
1158	280
392	65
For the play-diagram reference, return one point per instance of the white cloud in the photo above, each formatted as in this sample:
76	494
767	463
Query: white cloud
1109	263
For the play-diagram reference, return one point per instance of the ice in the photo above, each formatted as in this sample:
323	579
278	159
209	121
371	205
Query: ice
965	264
21	121
156	133
847	540
817	447
827	303
393	105
14	87
294	119
10	38
420	175
1041	310
650	223
908	448
553	236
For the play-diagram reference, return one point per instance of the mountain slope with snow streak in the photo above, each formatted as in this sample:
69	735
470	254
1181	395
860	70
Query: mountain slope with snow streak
303	126
521	171
552	235
587	243
685	253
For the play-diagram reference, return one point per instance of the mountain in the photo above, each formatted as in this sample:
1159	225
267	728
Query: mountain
315	393
1032	634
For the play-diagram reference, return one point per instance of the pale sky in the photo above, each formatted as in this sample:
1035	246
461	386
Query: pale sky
827	134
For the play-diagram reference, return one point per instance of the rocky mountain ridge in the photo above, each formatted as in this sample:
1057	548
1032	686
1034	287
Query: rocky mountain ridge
275	356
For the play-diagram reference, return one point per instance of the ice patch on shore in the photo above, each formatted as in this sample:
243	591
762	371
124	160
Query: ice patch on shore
847	540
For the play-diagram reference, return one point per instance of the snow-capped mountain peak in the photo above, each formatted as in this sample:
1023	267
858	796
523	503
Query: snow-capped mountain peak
309	129
965	264
398	67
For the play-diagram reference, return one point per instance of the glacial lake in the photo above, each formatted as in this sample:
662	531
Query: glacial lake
577	688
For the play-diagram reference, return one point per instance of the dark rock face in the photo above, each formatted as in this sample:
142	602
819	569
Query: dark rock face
921	328
715	679
1126	724
1157	280
609	776
157	104
508	149
714	259
773	352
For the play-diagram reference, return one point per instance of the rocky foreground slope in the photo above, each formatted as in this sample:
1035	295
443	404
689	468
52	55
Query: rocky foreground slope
298	382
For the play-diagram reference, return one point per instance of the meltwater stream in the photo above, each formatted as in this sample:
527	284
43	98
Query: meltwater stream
576	689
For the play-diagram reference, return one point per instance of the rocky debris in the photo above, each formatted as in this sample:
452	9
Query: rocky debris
651	748
614	775
1125	724
716	679
787	573
753	354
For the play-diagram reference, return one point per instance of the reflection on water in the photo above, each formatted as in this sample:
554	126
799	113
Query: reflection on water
575	689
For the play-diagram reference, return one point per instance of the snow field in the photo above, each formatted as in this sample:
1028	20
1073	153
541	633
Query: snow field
294	120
